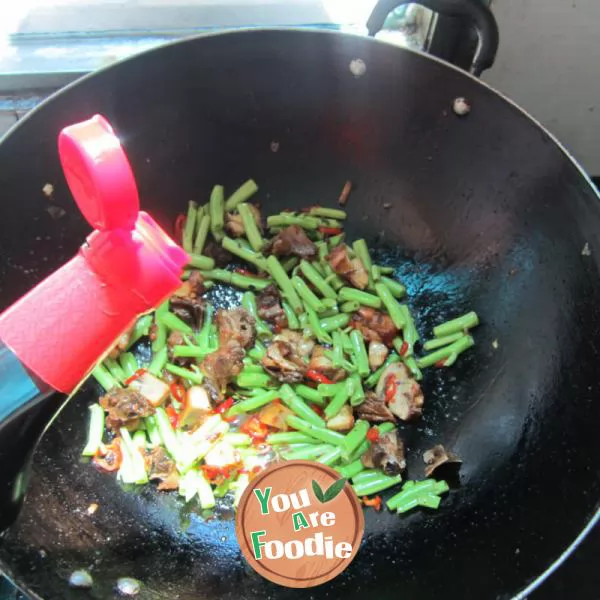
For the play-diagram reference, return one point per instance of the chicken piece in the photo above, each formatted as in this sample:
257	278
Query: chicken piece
375	326
221	367
269	307
400	391
377	354
161	468
283	363
274	415
236	324
125	407
197	405
234	225
187	302
350	269
292	241
374	410
343	421
320	363
440	458
303	346
155	390
387	454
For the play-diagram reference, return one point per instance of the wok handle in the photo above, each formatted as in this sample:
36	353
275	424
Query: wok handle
477	11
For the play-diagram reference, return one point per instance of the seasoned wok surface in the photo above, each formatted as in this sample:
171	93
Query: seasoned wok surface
487	214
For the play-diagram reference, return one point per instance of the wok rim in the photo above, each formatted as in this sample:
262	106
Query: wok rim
595	518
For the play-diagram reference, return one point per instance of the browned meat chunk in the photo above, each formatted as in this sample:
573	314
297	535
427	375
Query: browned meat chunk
350	269
303	346
215	251
221	366
161	468
374	410
237	324
375	326
400	391
125	407
387	454
269	307
283	363
292	241
319	362
187	302
438	457
234	225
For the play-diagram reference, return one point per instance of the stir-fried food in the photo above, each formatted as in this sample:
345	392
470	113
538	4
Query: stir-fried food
321	361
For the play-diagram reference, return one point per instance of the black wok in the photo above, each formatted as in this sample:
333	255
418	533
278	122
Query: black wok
488	213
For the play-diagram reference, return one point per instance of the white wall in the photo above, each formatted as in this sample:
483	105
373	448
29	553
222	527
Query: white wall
549	63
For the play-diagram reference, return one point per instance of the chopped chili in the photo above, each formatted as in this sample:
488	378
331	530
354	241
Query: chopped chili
373	434
173	416
330	230
224	406
391	387
403	348
135	376
374	502
257	430
318	377
441	363
178	392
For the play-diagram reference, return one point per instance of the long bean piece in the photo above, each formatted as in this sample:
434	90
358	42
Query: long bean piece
95	430
191	376
284	283
217	212
443	354
190	227
361	359
376	485
442	341
243	193
307	295
250	404
353	295
250	227
455	325
391	305
338	401
396	288
245	254
320	433
201	235
299	407
317	280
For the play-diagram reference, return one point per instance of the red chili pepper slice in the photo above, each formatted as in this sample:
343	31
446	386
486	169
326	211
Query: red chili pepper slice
374	502
135	376
373	434
403	348
179	225
173	416
391	387
318	377
224	406
330	230
441	363
178	392
257	430
245	272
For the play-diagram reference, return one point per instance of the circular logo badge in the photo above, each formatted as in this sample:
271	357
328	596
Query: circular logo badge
299	524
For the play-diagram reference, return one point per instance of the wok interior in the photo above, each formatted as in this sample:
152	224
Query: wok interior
486	213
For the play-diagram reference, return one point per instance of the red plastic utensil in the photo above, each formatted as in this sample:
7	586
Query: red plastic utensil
127	266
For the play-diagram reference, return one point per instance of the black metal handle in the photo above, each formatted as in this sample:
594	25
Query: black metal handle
479	13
